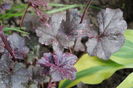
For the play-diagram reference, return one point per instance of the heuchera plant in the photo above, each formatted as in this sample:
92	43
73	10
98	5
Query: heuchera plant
102	42
110	32
64	33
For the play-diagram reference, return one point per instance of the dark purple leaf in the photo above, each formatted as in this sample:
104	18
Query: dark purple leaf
60	65
20	76
6	66
16	75
64	30
12	74
71	27
48	35
6	63
109	38
18	44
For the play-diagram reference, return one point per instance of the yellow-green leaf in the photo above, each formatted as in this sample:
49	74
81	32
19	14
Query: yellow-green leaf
127	83
91	70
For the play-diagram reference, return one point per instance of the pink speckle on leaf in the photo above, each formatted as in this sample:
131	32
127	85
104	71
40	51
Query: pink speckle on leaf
61	65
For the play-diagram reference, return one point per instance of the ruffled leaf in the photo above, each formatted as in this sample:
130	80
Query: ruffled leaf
59	66
64	30
47	35
12	74
18	45
109	38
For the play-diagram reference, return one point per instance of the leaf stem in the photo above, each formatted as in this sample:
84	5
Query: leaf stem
6	43
85	10
22	19
74	44
49	83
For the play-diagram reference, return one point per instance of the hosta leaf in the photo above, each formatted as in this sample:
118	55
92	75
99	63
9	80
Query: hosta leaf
127	83
91	70
129	34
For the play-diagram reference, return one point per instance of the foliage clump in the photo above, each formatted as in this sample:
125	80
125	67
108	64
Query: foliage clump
64	33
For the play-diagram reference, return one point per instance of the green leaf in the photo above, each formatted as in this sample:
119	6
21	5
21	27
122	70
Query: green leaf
92	70
79	5
127	83
62	9
16	11
7	29
56	4
65	7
